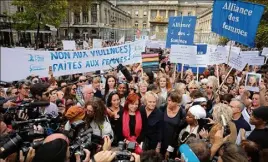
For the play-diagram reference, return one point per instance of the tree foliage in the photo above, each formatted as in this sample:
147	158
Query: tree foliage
223	41
52	12
262	33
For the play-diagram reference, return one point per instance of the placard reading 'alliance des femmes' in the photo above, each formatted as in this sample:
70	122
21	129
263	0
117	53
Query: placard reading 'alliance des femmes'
237	20
18	64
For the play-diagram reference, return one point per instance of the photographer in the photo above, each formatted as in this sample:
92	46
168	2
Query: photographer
40	92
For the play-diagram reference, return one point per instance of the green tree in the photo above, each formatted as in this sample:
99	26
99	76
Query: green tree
51	12
223	41
262	33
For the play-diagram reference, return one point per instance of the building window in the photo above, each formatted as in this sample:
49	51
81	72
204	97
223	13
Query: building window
137	13
171	13
144	25
162	13
189	13
153	28
145	13
105	16
94	14
76	18
85	18
136	24
153	14
179	13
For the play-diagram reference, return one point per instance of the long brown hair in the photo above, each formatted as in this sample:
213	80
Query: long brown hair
99	110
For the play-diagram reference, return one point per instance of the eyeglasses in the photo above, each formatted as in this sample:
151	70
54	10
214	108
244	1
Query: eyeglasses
81	81
209	87
74	89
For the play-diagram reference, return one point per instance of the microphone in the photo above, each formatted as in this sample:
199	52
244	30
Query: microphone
38	104
125	72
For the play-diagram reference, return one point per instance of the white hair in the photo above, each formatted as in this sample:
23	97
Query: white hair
86	87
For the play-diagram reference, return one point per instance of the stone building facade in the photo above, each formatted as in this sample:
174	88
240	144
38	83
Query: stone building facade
151	17
203	30
102	20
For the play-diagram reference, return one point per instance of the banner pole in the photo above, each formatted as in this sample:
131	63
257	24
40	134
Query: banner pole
197	75
224	79
218	74
229	53
182	66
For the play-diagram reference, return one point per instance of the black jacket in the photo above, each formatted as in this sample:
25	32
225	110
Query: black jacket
153	127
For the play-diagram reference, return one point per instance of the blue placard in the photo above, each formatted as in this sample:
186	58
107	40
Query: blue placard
181	30
237	20
201	50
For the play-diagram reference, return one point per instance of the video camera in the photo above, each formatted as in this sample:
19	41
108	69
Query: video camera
125	150
27	105
83	139
25	136
17	142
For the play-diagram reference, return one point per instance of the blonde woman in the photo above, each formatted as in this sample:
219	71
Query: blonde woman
164	86
181	88
193	85
143	85
152	118
227	112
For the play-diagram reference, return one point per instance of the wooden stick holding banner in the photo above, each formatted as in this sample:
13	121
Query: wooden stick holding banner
182	66
229	53
224	79
197	73
218	74
174	73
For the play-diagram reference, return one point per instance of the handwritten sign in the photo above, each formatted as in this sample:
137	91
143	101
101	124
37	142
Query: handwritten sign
217	55
265	51
68	45
183	54
97	43
30	62
237	62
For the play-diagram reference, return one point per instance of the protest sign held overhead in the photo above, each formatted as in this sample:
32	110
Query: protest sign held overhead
67	62
69	45
237	62
180	30
183	54
237	20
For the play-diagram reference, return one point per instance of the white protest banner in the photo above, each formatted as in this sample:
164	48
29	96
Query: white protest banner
85	45
256	61
252	57
155	44
183	54
97	43
265	51
30	62
237	62
216	55
68	45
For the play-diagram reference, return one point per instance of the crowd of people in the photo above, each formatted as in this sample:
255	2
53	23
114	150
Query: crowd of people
158	111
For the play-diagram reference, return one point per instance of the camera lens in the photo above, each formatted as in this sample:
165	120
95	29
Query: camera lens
10	147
